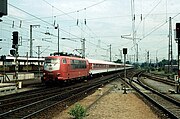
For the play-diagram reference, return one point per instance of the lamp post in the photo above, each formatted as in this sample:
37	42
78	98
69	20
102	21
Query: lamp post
110	52
83	47
38	60
120	54
57	27
31	40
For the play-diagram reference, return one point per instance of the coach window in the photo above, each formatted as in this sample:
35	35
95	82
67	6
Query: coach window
64	61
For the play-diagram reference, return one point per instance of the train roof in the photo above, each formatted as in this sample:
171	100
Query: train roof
20	58
102	62
70	57
64	54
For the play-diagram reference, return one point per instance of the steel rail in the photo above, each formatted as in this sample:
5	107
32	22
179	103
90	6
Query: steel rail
72	92
155	94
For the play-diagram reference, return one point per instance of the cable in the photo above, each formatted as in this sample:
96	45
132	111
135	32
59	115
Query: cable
152	9
93	5
64	13
76	10
58	9
148	14
44	20
156	28
41	20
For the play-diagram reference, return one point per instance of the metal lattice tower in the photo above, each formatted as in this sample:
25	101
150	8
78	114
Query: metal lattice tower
31	39
170	57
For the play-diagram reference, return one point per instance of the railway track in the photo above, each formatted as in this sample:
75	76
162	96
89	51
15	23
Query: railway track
167	104
28	105
158	78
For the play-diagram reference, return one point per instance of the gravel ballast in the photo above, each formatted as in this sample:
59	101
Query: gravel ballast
114	105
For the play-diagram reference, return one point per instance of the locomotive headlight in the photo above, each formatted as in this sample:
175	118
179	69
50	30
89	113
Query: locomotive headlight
58	74
44	74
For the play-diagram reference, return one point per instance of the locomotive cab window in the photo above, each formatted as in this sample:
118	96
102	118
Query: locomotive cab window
78	64
64	61
51	62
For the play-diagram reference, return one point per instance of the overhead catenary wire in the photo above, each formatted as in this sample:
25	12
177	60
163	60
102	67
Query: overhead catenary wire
42	20
152	9
78	15
146	15
64	13
37	18
90	36
158	27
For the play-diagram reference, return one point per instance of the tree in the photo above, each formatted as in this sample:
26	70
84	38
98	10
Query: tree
118	61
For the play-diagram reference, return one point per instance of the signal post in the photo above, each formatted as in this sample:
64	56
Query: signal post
14	52
178	42
124	52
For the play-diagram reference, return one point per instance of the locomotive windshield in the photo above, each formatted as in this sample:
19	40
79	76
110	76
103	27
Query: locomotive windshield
51	64
52	61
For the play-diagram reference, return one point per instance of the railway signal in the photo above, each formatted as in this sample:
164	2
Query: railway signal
15	37
14	51
124	52
3	7
178	30
15	40
178	42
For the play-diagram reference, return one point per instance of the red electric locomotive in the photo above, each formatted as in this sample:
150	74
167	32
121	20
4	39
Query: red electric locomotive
63	68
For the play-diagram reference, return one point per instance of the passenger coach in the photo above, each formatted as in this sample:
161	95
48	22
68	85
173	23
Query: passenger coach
99	66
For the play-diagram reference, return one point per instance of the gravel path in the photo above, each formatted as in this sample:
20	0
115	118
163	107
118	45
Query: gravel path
121	106
114	105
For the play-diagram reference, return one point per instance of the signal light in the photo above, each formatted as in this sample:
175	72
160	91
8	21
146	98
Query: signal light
13	46
15	37
177	30
124	50
3	57
12	52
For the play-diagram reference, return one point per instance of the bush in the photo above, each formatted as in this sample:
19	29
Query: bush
78	111
159	69
152	69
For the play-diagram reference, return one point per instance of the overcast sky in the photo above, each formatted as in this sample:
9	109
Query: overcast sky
106	22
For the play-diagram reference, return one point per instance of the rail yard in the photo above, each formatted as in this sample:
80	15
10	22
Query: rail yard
89	59
56	101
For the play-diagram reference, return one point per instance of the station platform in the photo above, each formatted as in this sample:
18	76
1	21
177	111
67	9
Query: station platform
7	88
18	86
8	77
